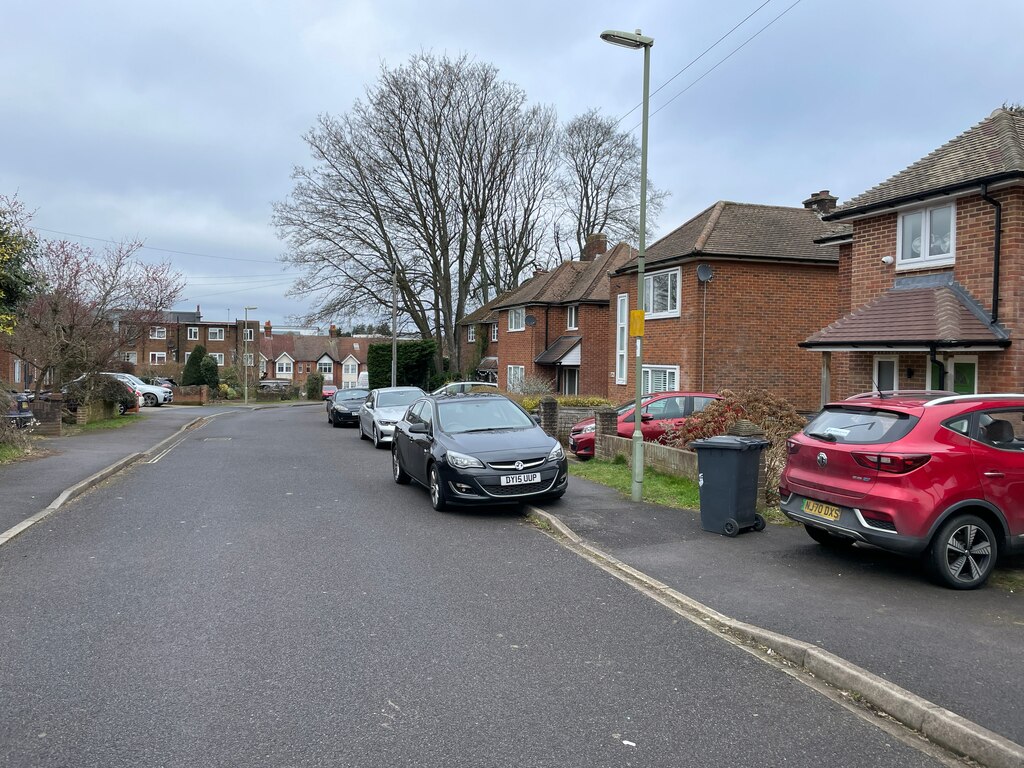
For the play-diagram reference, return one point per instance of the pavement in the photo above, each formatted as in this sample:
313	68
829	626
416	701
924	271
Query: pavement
944	663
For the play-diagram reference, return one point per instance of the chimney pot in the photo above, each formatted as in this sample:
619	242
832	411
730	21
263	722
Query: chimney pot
822	202
597	244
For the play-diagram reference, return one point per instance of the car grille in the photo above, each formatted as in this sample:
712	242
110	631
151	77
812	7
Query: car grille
517	490
510	466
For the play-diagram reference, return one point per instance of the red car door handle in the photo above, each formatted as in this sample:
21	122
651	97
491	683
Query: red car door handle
994	474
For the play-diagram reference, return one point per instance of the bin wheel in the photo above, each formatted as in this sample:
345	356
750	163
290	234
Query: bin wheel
731	528
759	523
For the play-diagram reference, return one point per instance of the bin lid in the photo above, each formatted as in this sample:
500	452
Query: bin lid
731	443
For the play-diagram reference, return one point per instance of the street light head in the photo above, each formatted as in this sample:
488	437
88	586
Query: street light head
627	39
251	308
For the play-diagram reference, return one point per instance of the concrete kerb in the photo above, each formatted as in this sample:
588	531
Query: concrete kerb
939	725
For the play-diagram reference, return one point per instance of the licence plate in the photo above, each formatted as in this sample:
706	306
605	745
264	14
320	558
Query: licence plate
532	477
828	511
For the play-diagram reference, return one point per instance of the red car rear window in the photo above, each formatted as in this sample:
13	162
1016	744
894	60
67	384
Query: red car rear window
857	426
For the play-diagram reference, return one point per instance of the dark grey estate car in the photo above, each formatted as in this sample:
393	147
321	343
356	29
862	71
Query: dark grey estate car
477	449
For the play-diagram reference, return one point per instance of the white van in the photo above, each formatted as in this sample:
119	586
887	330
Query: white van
363	380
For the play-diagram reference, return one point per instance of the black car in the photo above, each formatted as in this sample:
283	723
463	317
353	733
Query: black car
343	406
477	449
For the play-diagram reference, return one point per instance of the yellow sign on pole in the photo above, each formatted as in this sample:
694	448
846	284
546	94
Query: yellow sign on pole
636	323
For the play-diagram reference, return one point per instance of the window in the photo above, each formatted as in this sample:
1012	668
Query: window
516	375
157	332
885	376
957	374
326	367
157	358
284	369
128	357
218	356
471	334
193	333
572	320
350	369
661	294
621	337
215	334
570	381
247	334
660	378
494	331
517	319
263	367
927	237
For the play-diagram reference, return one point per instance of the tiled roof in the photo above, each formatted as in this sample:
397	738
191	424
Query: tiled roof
312	348
745	230
562	346
992	148
571	281
917	311
486	312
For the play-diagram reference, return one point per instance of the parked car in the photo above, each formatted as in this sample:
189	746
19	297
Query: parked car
915	474
478	448
152	395
455	387
327	390
659	413
69	393
381	409
19	411
343	406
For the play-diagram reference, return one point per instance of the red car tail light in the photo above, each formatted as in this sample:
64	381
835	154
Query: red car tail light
894	463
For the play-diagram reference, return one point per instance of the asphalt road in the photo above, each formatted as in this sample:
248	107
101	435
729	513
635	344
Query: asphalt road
264	594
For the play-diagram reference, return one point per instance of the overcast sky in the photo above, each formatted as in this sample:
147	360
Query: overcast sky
179	123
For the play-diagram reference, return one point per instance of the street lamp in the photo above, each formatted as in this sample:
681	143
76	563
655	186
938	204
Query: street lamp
245	356
636	40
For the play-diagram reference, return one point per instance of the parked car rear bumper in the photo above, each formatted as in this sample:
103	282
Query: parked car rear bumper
853	525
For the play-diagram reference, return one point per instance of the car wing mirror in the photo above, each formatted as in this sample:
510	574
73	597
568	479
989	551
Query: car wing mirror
419	428
646	417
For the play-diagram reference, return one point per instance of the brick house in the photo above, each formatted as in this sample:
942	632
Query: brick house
729	295
555	325
932	272
292	358
168	343
478	341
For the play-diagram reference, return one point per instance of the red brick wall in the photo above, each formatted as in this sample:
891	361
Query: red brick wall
757	313
597	331
522	347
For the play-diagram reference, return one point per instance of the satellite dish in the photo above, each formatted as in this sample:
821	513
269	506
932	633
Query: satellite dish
704	272
531	320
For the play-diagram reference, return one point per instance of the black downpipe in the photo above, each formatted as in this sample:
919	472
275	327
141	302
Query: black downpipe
941	368
997	248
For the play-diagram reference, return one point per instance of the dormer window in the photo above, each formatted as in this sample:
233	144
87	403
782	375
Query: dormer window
927	237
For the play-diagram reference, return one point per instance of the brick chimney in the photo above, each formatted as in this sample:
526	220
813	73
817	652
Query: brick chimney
266	329
597	245
822	202
333	331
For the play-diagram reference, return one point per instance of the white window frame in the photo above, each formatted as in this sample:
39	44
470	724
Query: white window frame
572	317
924	261
247	359
128	357
215	334
574	372
193	333
517	319
671	377
248	334
471	334
673	277
350	369
326	367
875	378
515	377
284	369
157	358
948	364
494	331
218	356
621	337
157	332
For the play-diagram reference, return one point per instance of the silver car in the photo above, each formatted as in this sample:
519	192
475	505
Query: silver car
151	395
381	411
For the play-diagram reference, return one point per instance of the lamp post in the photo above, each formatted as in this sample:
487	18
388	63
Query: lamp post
245	357
636	40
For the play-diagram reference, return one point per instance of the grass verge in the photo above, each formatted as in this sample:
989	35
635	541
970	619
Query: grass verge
9	453
115	423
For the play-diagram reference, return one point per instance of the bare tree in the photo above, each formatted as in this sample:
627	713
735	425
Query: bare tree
424	179
87	306
599	186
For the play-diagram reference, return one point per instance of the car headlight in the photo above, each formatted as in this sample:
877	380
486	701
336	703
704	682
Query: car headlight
588	429
462	461
557	454
340	407
386	422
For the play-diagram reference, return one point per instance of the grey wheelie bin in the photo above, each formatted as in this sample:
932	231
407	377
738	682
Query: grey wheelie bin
727	467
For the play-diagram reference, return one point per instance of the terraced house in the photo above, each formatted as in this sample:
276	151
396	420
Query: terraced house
932	272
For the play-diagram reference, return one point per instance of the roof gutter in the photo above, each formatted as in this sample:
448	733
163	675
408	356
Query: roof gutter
675	261
996	250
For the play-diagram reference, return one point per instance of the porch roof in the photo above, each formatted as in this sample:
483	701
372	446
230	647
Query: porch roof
562	346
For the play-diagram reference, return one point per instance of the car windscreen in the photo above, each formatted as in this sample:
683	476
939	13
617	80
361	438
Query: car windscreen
482	415
398	397
860	426
351	394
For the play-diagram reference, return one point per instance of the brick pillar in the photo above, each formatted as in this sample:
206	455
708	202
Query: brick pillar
549	415
745	428
607	423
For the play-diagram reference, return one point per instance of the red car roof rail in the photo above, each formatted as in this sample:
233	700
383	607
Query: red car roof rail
978	396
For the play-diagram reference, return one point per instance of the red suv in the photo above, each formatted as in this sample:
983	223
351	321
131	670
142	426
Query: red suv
914	473
659	413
